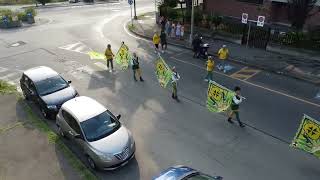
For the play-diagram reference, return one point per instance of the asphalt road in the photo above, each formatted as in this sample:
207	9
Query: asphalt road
166	132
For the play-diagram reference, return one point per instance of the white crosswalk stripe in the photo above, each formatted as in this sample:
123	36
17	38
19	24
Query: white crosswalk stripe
101	65
78	47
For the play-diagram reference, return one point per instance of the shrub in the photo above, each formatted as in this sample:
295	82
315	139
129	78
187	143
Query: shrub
43	2
8	13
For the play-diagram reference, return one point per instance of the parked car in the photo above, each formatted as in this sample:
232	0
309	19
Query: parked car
184	173
73	1
47	89
106	143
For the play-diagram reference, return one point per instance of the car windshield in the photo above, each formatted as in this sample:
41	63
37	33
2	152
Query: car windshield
100	126
50	85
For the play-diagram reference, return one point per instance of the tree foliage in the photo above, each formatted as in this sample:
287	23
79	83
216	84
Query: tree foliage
300	11
43	2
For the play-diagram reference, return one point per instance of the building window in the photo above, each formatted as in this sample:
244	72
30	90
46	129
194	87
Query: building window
252	1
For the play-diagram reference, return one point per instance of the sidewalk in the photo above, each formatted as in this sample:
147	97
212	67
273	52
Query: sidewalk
297	67
26	149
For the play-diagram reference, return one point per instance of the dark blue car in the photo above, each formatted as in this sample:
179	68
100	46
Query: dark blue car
184	173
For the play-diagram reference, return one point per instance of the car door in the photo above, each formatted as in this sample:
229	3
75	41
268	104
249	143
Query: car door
72	128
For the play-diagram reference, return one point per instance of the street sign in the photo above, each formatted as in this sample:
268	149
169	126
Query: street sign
260	21
130	2
244	18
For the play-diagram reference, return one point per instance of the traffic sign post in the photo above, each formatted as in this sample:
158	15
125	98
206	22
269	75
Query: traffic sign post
245	20
260	21
130	3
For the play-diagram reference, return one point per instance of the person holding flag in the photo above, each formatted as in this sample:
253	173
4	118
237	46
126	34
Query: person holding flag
156	41
136	67
210	67
109	56
235	103
175	78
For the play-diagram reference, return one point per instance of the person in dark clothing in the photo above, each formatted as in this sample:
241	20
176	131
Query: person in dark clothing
235	104
136	68
196	42
163	24
163	39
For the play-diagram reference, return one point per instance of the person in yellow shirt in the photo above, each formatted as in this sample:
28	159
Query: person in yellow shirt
109	56
156	41
210	67
223	54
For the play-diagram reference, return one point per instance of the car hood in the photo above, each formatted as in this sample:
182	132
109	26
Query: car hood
114	143
59	97
175	173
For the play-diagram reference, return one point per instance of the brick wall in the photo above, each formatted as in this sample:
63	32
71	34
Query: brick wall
236	8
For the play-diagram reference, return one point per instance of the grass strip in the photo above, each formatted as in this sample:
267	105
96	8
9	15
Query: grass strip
53	138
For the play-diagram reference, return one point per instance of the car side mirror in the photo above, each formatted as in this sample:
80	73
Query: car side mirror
218	177
69	82
119	116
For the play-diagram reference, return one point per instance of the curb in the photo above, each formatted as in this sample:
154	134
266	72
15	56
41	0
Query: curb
305	79
67	5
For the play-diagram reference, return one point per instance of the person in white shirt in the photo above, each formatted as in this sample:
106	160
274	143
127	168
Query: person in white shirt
175	78
235	104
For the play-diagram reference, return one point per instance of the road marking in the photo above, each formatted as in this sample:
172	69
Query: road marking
245	73
252	84
78	47
101	65
7	77
90	71
3	69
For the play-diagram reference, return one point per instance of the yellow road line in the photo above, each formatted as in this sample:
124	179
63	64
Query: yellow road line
238	71
250	76
252	84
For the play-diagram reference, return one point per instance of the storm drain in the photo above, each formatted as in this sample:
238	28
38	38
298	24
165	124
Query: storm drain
18	43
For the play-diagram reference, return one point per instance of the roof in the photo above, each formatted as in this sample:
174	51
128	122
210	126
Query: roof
83	108
40	73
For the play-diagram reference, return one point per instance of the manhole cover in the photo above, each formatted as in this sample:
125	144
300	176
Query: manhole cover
16	44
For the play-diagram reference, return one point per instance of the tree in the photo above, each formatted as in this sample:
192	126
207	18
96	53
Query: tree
169	3
300	11
43	2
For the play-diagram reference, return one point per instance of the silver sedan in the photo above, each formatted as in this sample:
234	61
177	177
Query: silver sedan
106	143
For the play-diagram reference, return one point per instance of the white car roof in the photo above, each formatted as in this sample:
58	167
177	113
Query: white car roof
83	108
40	73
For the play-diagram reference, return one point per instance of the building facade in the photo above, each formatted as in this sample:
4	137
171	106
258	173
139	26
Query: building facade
275	11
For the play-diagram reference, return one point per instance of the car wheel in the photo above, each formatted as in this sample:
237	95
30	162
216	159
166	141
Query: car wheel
60	131
91	162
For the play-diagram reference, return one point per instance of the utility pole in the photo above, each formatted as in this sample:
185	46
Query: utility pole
135	11
192	21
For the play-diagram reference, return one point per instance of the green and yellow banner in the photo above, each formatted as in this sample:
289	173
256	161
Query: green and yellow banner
123	56
163	72
308	136
96	55
219	98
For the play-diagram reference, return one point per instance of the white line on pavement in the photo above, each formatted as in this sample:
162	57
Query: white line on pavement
7	77
3	69
101	65
250	83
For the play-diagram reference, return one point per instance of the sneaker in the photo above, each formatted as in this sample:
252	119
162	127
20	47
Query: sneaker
242	125
206	80
110	70
224	71
141	80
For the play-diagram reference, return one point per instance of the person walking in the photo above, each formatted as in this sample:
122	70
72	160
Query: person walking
156	41
178	30
210	67
136	67
223	54
109	56
235	103
163	38
196	42
182	32
168	28
173	30
175	78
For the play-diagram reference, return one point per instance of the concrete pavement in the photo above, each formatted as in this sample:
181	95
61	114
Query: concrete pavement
304	68
169	133
25	152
